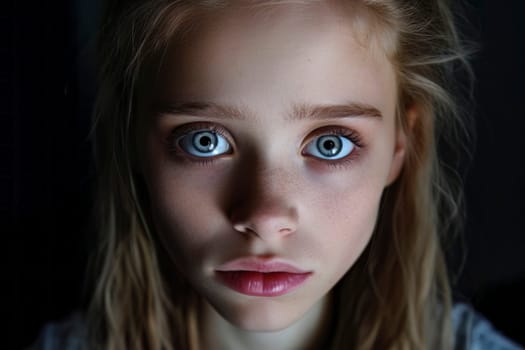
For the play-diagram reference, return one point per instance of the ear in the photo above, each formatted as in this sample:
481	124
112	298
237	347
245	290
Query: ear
401	144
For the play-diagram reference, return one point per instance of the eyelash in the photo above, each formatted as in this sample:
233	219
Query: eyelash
177	134
184	130
350	134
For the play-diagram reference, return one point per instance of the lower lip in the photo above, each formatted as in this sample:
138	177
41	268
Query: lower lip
268	284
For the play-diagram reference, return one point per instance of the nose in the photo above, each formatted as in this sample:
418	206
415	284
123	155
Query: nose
264	206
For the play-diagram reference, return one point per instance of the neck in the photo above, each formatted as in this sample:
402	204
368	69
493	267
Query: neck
309	332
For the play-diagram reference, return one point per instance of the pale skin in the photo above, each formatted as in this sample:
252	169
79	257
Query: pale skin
269	195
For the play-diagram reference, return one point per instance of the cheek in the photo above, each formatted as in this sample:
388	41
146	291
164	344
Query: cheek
178	197
347	219
184	213
349	199
183	206
358	218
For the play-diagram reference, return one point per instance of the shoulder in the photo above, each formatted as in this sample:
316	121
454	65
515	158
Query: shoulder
473	332
70	334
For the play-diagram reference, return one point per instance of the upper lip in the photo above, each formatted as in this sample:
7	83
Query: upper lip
257	264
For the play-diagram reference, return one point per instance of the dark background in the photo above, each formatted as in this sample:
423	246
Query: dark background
46	172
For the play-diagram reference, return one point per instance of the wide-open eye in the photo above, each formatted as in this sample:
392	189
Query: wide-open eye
204	143
330	147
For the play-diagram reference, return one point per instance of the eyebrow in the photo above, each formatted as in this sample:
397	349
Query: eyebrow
351	109
298	111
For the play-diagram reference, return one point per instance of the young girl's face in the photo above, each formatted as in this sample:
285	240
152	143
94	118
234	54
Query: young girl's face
271	141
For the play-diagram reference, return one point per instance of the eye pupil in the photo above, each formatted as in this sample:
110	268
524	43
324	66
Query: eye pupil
205	141
329	145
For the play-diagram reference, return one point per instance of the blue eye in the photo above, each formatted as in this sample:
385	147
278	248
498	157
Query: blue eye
204	143
330	147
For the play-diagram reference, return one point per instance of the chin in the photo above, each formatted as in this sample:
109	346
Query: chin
260	315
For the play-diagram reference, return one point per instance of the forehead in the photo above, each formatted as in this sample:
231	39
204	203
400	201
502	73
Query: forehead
312	53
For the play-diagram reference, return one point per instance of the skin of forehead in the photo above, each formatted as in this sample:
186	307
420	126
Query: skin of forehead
221	31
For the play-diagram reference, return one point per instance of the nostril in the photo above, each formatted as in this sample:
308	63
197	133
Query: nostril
267	219
264	229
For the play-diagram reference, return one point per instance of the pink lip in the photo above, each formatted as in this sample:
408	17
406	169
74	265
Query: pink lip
261	277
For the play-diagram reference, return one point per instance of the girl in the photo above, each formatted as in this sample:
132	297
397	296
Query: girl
269	177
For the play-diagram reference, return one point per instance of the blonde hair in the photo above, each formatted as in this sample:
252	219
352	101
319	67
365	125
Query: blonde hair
396	296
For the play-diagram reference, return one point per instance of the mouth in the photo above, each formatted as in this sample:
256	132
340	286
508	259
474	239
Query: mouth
261	277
